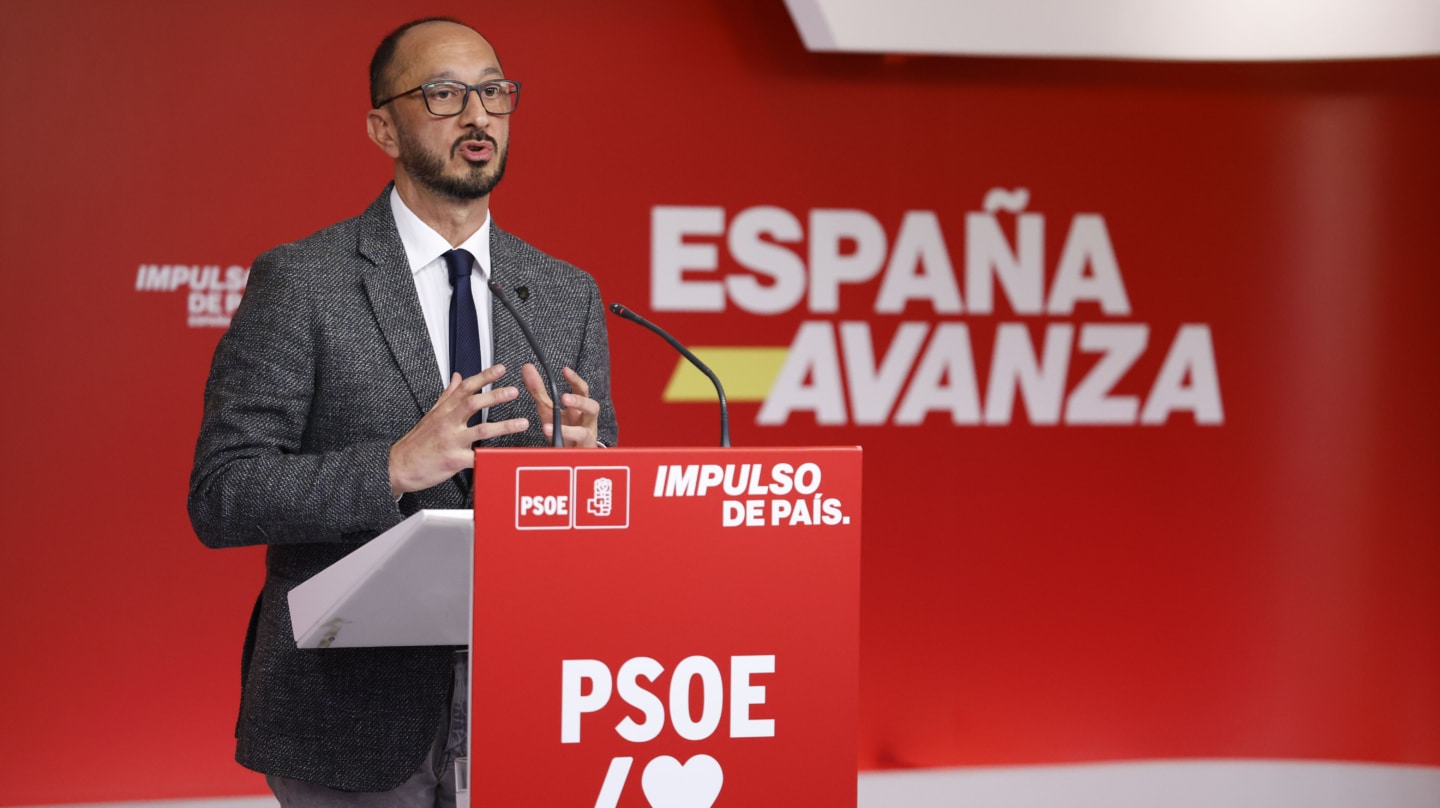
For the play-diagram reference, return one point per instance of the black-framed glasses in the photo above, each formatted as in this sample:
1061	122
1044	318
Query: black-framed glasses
446	99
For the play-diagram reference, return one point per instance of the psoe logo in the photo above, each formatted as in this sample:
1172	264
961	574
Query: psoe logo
572	497
586	687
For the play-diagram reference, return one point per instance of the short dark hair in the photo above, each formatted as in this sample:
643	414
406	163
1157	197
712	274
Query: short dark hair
385	56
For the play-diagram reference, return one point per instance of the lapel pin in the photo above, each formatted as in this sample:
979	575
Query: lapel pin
522	292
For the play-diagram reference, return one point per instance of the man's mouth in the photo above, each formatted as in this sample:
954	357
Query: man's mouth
476	150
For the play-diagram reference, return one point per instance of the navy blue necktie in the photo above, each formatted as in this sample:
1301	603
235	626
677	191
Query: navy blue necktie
464	327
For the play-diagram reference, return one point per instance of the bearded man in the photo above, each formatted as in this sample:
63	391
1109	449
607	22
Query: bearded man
362	366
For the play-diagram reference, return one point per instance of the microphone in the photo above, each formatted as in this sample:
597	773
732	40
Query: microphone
674	343
495	289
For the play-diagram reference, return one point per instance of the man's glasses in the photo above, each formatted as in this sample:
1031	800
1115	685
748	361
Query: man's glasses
447	99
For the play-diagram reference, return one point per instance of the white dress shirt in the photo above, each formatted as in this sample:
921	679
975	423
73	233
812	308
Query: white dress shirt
425	249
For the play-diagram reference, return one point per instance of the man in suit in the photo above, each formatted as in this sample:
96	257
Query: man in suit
336	407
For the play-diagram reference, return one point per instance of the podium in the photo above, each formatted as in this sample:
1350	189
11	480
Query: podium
672	628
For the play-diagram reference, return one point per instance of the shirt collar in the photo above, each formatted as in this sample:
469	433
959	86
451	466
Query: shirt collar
424	246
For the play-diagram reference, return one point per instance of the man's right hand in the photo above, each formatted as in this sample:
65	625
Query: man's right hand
440	445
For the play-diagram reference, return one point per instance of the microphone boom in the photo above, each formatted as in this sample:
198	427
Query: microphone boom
627	314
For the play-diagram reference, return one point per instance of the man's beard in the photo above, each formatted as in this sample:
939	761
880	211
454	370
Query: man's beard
428	169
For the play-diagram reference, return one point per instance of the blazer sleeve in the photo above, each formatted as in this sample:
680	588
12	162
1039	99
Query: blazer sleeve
254	480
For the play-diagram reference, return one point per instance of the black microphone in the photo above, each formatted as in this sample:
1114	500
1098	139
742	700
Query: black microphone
674	343
559	441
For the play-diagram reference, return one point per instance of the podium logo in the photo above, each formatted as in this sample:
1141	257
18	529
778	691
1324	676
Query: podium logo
543	497
607	497
586	688
572	497
696	783
601	503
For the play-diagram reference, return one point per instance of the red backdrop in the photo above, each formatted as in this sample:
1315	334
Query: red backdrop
1267	586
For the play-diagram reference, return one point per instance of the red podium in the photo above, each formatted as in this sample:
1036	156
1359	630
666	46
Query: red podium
665	628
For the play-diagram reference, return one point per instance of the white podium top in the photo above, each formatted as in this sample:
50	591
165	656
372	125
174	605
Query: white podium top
408	586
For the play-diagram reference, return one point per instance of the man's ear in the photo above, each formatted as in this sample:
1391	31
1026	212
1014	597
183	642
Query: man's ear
381	128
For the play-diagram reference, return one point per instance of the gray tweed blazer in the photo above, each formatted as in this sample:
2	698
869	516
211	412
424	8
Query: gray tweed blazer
326	364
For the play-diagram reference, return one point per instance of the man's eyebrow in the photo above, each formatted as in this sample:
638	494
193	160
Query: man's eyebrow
451	75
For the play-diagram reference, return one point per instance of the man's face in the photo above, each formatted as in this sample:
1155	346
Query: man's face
461	157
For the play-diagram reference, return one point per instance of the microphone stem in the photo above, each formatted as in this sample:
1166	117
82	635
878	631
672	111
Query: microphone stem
558	440
715	380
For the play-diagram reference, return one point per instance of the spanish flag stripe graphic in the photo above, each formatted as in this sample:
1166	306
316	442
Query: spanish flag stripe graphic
746	372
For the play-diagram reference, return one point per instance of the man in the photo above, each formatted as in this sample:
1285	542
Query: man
340	402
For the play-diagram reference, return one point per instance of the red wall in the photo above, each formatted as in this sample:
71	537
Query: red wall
1265	586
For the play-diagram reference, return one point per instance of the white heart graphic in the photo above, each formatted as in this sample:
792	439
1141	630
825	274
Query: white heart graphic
696	784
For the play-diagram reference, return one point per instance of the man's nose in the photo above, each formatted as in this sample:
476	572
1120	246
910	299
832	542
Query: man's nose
475	112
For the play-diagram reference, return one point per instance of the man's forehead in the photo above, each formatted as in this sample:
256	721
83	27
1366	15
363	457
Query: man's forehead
440	50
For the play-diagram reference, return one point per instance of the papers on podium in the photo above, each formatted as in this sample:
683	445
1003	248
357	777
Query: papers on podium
408	586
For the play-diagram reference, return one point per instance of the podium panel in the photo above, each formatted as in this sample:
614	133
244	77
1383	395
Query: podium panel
671	628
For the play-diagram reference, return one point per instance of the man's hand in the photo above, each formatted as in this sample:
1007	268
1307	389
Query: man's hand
440	445
580	420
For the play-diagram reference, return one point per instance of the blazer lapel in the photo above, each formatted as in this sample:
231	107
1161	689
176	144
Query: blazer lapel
508	340
391	290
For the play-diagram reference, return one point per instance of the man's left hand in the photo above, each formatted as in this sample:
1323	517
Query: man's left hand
580	419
